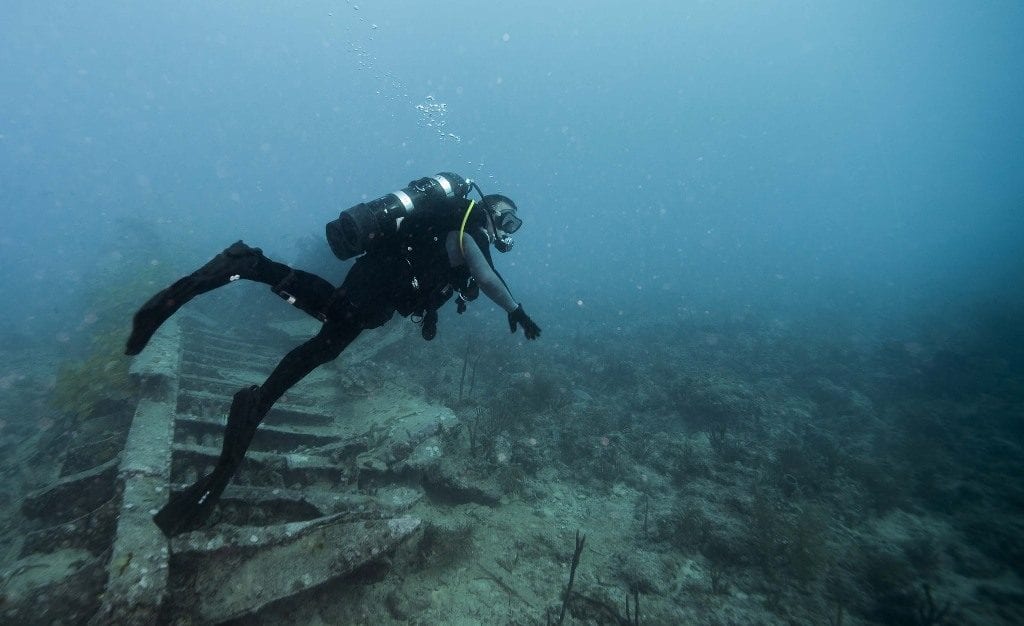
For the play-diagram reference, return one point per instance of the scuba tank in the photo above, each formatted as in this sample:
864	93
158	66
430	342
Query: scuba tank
361	227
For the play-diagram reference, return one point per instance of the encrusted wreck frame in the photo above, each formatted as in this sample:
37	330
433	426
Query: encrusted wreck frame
299	513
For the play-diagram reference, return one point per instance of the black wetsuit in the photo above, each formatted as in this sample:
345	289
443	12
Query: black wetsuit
409	273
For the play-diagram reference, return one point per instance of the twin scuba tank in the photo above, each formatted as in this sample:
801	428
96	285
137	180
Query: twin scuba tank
360	228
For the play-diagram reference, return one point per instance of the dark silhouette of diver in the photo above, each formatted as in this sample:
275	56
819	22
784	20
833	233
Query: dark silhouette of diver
420	246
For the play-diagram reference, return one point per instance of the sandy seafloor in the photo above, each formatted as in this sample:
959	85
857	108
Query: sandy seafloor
740	472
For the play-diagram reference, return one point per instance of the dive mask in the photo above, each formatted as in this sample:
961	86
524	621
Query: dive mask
502	212
508	222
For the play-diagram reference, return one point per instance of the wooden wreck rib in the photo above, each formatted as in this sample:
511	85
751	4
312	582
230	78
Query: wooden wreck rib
292	519
239	570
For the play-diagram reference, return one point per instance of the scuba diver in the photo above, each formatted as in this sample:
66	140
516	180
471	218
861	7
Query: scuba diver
418	247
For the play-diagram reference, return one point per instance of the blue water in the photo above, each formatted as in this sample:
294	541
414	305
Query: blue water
849	169
779	156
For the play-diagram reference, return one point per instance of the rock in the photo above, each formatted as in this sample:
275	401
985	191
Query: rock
242	569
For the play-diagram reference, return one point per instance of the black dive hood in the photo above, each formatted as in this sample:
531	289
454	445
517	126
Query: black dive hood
359	227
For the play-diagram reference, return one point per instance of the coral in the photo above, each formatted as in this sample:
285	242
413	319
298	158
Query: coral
915	606
788	544
806	544
881	482
712	404
685	526
580	541
536	392
806	464
674	456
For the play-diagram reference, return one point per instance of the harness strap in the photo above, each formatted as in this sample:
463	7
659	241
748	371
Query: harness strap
462	228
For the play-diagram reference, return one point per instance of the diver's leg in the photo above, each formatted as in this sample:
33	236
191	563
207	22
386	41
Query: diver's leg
306	291
189	509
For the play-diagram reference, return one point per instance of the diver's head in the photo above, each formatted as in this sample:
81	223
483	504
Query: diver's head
502	220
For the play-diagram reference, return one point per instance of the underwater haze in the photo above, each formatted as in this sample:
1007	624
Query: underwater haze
776	249
779	156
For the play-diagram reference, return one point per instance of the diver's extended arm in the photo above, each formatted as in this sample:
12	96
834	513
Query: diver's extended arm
490	283
488	280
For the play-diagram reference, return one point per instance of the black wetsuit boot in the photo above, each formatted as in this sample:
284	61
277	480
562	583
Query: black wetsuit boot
189	509
237	261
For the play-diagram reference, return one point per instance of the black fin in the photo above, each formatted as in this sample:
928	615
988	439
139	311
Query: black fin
156	311
236	261
188	510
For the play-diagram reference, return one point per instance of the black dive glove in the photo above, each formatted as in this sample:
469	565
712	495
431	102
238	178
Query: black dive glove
519	317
